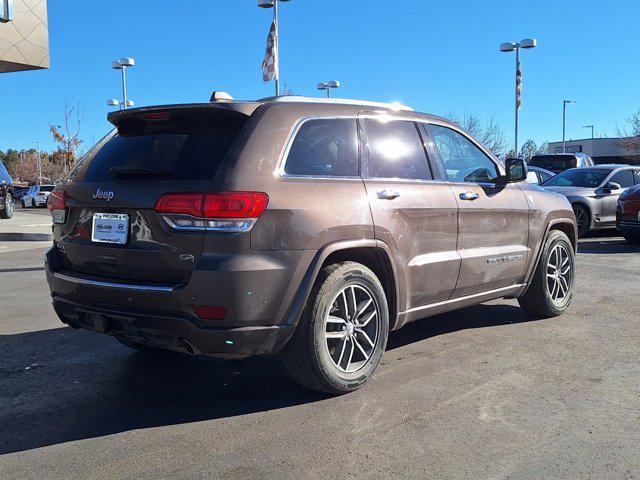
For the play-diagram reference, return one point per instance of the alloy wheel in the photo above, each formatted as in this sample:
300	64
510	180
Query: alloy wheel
9	204
559	274
351	328
582	219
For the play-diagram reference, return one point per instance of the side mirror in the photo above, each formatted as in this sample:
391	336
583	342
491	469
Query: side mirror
516	169
611	186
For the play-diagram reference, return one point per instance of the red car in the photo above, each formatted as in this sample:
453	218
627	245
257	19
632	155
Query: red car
628	215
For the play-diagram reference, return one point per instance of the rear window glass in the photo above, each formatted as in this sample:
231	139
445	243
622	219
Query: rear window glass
47	188
325	147
553	162
183	147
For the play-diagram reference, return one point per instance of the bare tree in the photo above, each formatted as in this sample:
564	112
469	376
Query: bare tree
528	150
68	134
488	133
630	136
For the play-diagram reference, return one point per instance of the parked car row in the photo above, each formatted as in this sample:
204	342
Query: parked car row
594	192
36	196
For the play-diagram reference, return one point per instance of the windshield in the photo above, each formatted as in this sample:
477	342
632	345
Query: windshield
578	177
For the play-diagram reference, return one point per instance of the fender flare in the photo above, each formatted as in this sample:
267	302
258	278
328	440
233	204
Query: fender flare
534	265
304	290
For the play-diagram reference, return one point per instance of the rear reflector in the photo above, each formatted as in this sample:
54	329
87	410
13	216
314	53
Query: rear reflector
57	203
206	312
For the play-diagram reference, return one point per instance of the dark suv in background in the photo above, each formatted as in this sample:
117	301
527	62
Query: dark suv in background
559	162
7	204
301	227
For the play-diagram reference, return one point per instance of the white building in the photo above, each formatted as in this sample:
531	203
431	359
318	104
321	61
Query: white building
602	150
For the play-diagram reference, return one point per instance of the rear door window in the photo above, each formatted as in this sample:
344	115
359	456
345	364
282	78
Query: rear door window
396	150
324	147
184	146
624	178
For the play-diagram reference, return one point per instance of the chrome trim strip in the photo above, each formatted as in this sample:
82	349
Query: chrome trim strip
123	286
468	297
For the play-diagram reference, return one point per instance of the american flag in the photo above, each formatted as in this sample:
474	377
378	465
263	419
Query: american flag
518	86
270	62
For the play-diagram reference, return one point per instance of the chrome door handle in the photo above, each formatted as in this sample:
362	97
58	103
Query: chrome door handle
388	194
469	196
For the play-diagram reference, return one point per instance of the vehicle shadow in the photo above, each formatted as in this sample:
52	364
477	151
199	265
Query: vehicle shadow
606	246
62	385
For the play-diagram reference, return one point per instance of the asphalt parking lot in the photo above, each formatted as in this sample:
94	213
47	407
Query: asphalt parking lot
480	393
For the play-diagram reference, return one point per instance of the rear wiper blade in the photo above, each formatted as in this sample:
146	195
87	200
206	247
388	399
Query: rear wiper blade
121	172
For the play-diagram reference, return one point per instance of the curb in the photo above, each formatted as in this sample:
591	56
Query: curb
26	237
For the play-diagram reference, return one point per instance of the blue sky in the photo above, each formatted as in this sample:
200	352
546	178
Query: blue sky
438	57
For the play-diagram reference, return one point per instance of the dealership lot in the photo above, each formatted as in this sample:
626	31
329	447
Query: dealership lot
479	393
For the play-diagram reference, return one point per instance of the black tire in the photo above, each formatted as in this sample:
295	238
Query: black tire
33	203
583	219
632	239
141	347
7	212
538	300
308	357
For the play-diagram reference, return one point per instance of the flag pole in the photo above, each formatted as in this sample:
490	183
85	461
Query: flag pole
518	87
277	49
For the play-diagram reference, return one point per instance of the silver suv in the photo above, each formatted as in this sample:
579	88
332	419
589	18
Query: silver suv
593	192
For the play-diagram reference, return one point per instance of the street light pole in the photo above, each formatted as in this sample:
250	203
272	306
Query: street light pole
39	163
510	47
564	123
517	98
591	127
122	65
328	86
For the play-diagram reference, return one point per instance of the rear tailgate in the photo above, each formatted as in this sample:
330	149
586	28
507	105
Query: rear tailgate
151	154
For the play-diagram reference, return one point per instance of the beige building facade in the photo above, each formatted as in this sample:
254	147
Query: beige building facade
24	35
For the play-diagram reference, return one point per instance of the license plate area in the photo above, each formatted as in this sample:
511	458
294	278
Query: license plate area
110	228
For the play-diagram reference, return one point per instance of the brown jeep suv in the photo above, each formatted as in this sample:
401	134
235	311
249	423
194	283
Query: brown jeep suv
302	227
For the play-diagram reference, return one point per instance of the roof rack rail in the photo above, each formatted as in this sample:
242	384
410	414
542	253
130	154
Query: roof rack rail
340	101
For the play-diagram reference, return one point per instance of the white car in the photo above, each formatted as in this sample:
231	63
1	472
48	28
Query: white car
37	196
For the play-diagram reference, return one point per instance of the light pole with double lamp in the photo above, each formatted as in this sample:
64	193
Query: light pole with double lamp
274	4
510	47
122	65
564	123
328	86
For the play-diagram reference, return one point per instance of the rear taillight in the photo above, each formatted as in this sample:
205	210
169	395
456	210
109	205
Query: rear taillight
57	203
227	211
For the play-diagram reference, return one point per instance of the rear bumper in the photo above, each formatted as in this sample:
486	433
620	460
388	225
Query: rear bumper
174	332
257	292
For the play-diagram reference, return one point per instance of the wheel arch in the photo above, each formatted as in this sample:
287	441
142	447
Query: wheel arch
371	253
566	225
586	206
